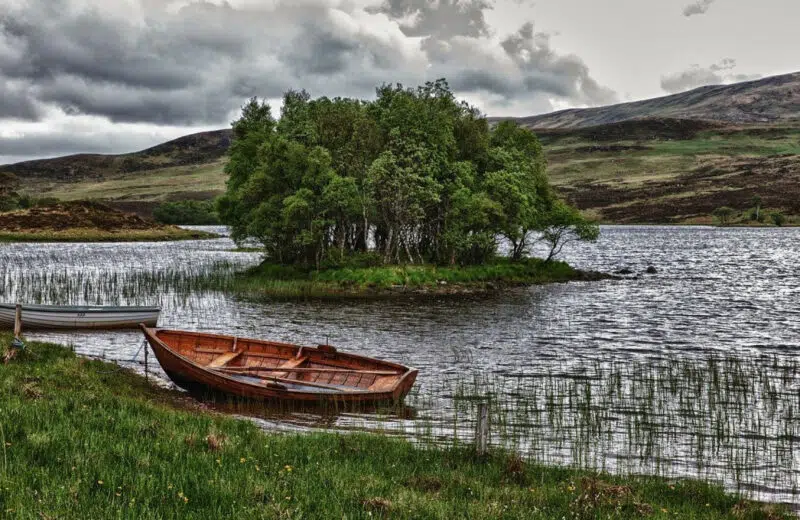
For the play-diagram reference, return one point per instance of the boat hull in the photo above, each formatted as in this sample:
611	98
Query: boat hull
45	317
198	379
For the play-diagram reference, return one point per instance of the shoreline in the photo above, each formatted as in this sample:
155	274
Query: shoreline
282	282
696	224
96	440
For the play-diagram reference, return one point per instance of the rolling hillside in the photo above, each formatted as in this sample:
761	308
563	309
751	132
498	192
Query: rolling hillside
669	171
667	160
190	167
774	100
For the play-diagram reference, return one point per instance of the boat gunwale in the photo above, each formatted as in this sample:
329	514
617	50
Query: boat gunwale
404	368
81	308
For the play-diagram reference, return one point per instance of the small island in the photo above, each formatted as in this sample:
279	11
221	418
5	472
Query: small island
53	221
412	192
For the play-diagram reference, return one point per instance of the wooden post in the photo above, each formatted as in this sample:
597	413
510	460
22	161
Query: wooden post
18	322
482	429
146	375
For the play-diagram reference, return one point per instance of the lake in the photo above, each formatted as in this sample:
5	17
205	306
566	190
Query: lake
691	371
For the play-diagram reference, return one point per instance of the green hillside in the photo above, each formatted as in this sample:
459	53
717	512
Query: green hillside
641	174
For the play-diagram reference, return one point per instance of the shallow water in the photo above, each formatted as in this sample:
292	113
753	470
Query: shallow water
692	371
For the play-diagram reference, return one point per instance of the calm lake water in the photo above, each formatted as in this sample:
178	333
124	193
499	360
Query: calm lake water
692	371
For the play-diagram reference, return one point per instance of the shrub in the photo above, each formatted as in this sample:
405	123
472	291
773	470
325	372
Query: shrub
188	212
13	201
724	214
778	218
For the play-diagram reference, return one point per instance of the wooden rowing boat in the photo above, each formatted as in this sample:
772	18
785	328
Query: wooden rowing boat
79	317
270	370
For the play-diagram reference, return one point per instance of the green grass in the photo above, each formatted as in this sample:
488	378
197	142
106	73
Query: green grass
734	145
290	282
86	439
98	235
648	179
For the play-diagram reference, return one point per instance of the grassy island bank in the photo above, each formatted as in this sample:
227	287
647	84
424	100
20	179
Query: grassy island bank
85	439
86	222
276	281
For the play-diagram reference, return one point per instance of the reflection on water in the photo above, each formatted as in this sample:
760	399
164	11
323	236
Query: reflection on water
691	371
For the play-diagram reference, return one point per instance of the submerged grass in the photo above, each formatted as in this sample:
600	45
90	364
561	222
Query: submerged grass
273	280
86	439
98	235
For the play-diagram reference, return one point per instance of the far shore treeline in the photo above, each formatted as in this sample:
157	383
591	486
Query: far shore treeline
415	176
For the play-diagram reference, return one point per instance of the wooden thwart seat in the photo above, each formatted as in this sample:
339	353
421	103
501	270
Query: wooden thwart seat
224	359
292	363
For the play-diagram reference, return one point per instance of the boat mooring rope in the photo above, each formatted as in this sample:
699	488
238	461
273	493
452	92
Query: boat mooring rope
133	360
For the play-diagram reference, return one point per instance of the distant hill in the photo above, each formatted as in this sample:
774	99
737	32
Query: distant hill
202	148
187	168
668	160
773	100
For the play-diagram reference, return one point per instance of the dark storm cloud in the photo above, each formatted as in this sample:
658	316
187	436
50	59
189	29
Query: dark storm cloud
188	67
321	54
15	103
545	70
63	144
523	68
142	62
697	76
438	18
698	7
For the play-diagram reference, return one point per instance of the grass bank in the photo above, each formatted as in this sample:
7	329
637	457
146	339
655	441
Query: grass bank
84	439
99	235
271	280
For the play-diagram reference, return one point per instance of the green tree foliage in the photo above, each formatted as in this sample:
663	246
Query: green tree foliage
562	225
415	176
724	215
12	201
778	218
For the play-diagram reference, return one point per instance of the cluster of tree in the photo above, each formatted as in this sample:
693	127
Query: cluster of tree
725	215
188	212
13	201
415	176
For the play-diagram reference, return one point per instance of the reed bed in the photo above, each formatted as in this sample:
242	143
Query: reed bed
726	419
720	419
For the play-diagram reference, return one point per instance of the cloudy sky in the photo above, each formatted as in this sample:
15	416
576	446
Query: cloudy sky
112	76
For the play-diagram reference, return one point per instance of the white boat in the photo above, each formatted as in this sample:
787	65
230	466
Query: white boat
81	317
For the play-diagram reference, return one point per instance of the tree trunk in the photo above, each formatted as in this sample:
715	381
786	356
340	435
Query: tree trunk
387	254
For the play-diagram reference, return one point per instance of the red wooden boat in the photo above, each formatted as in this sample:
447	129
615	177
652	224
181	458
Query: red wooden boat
270	370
